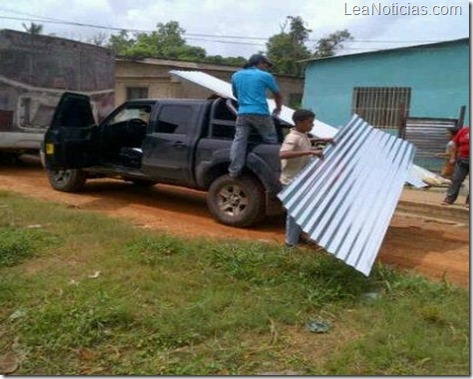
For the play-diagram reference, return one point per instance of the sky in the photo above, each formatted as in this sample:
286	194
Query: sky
242	27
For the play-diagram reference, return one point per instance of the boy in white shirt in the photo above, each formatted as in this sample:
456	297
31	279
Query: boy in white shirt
295	152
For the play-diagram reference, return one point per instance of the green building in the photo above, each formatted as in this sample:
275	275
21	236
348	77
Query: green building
431	80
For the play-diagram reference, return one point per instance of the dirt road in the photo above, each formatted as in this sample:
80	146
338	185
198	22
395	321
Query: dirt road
434	248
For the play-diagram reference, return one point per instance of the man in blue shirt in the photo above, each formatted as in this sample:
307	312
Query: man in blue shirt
249	86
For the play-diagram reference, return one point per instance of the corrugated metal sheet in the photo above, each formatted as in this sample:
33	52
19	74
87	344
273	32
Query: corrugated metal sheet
224	89
416	176
345	201
205	80
430	136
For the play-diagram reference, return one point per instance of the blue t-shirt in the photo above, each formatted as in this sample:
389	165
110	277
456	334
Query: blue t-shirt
249	87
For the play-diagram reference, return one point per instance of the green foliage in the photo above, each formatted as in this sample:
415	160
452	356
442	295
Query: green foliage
166	42
326	47
121	43
164	305
230	61
288	49
285	49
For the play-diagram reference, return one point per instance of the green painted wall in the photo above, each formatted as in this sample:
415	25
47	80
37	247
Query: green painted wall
438	74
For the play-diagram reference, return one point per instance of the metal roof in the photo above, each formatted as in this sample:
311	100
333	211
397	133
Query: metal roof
186	65
395	49
345	201
417	175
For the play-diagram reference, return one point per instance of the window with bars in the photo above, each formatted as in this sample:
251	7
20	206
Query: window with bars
136	93
382	107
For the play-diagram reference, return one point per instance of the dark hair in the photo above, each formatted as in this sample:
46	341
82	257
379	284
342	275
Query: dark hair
256	59
302	114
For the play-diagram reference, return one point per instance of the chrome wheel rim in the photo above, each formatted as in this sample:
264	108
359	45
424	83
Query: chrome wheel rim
232	200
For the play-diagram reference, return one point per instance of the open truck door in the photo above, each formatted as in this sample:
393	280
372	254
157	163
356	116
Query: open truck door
71	140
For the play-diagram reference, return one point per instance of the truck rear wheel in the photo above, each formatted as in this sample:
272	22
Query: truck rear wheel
236	201
67	180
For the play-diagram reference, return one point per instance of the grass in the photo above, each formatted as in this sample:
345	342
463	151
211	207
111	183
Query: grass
81	294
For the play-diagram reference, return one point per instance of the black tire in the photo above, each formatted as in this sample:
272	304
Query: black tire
236	201
67	180
143	183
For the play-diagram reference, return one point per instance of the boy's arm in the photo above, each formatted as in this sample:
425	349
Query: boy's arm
288	154
326	140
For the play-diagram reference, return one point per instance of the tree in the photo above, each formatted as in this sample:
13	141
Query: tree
34	29
98	39
230	61
166	42
120	43
326	47
287	49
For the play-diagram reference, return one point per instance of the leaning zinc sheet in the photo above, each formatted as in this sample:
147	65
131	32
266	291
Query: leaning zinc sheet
345	201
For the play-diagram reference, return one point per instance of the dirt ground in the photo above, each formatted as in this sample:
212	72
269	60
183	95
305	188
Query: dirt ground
435	248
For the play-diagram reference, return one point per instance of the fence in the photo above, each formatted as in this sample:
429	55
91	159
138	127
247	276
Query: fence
430	137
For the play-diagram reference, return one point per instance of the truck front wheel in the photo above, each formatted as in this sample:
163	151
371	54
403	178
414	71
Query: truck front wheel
236	201
67	180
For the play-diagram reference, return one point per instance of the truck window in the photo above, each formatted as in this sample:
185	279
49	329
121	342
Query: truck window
75	114
222	124
173	119
125	128
135	111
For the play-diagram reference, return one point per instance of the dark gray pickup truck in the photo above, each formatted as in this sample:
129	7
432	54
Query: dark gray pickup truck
183	142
